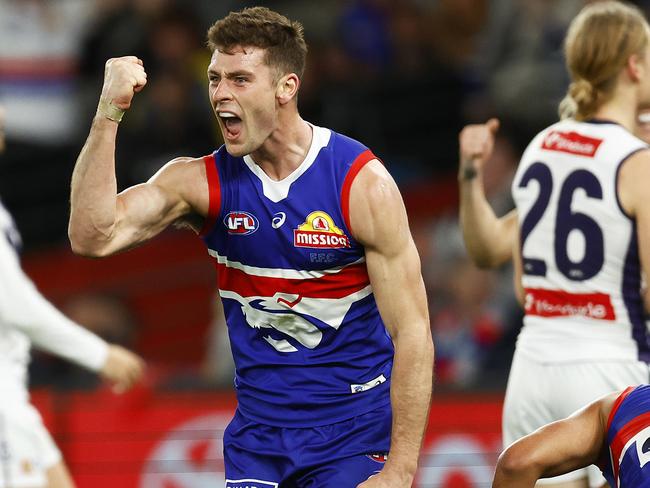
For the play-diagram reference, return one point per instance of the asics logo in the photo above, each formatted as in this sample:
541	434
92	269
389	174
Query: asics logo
278	220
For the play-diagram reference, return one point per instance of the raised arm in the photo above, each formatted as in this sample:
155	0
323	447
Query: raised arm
378	220
102	221
557	448
488	238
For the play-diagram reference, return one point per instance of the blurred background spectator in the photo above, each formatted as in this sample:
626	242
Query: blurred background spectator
403	77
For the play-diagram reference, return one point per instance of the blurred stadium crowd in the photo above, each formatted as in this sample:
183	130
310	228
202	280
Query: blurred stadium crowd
401	76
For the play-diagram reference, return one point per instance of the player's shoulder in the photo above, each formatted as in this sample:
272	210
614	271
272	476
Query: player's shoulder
635	168
182	165
621	406
185	175
340	144
375	190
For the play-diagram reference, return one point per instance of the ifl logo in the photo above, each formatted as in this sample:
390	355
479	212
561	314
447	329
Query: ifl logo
241	223
319	232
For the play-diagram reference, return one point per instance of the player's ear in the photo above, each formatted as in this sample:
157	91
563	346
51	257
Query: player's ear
635	67
287	88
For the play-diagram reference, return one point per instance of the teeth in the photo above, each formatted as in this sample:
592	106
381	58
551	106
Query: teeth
227	115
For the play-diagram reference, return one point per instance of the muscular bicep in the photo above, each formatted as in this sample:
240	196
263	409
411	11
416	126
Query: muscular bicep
143	211
379	221
176	191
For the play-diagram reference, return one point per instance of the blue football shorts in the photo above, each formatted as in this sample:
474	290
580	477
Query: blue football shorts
339	455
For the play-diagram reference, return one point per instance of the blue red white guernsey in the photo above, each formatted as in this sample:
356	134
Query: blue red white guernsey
581	270
628	440
309	345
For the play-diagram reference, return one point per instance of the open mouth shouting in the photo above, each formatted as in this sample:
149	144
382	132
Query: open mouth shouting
232	125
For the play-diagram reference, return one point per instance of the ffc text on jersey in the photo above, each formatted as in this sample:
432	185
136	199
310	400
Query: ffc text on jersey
319	232
241	223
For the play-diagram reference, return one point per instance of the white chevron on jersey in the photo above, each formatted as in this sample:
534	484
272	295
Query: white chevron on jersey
293	274
578	245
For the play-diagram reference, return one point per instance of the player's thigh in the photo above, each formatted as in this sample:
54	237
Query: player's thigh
58	476
26	448
342	473
526	406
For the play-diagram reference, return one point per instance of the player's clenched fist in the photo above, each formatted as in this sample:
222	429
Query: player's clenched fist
476	144
123	77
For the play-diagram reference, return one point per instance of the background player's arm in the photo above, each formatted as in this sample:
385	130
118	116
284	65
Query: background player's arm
378	220
633	194
518	268
557	448
22	307
103	222
488	238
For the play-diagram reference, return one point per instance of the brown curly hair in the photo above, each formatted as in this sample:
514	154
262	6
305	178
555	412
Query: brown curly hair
283	39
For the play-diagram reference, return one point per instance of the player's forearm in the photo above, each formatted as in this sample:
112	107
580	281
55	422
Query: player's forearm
94	190
486	238
23	308
411	384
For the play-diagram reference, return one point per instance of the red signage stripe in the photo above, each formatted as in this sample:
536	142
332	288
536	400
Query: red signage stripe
44	67
338	285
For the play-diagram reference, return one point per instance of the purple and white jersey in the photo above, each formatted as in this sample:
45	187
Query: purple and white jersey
581	270
309	345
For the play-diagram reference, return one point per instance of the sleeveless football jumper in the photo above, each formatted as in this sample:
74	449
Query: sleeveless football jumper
309	345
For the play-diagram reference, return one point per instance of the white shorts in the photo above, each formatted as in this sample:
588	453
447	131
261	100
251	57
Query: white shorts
27	450
539	393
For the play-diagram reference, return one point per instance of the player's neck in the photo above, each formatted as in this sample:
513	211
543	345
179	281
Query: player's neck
621	109
285	149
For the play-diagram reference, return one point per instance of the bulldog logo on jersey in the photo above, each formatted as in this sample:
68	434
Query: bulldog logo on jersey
241	223
319	232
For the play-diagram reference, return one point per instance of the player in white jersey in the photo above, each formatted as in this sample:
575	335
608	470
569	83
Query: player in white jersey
28	456
581	230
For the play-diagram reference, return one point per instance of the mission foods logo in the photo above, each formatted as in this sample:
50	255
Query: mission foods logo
319	232
572	143
241	223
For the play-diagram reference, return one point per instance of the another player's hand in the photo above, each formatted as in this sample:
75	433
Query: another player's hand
476	145
122	368
123	78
